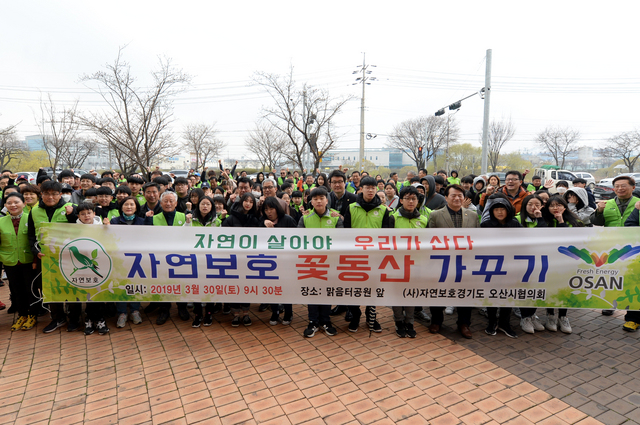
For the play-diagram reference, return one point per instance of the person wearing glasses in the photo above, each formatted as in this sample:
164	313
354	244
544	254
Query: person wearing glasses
512	189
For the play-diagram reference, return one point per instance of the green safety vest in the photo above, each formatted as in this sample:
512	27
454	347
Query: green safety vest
113	213
140	198
528	224
305	187
14	248
314	221
280	181
612	217
366	220
178	220
532	188
453	180
39	216
409	223
213	223
425	212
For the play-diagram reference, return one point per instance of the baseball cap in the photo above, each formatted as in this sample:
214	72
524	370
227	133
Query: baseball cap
23	177
66	188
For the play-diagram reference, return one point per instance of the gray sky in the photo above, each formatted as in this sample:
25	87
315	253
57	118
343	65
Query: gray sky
564	63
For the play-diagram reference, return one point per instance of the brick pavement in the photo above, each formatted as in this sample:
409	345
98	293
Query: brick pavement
271	374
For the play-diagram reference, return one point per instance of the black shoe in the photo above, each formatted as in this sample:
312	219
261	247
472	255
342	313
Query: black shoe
55	324
411	333
236	321
264	307
311	330
491	328
348	316
353	325
607	312
184	314
88	327
329	329
208	319
73	326
150	308
275	319
337	310
400	330
375	327
196	322
508	331
226	308
102	327
162	318
246	320
217	307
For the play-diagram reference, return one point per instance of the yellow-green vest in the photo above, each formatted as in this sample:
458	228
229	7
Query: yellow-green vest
401	222
362	219
178	220
612	217
14	248
314	221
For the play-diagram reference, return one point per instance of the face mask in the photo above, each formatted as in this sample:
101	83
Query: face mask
562	190
257	194
66	198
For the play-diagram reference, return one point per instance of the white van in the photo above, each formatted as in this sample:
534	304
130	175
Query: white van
551	172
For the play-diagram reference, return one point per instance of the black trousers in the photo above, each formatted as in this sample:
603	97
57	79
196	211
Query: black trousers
20	279
464	315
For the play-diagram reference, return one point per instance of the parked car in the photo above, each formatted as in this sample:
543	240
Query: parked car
501	176
552	172
591	181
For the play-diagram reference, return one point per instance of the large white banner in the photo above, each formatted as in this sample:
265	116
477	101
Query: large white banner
577	268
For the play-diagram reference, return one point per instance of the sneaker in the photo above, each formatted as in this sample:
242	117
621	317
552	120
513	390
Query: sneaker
422	314
491	329
162	318
18	324
631	326
552	323
483	311
135	317
30	323
508	331
88	327
226	309
217	308
236	321
55	324
208	319
102	327
246	320
263	307
353	325
4	275
275	318
348	316
516	311
286	320
311	330
376	327
449	310
537	325
122	320
329	329
526	324
73	326
564	325
400	330
196	322
184	315
411	333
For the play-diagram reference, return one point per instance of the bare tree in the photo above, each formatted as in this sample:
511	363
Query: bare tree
625	146
500	132
268	144
201	141
60	129
421	138
78	152
559	142
136	123
304	117
10	146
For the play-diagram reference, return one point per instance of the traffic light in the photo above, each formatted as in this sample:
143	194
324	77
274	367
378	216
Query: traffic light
455	105
420	150
440	112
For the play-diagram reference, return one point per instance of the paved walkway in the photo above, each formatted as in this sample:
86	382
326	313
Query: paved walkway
265	374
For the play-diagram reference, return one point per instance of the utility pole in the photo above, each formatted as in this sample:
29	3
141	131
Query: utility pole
485	123
364	82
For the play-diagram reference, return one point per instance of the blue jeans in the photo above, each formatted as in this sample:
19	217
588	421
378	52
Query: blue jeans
121	307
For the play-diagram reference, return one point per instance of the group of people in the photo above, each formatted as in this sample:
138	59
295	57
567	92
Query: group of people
315	200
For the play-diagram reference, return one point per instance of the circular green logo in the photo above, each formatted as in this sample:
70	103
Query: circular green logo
85	263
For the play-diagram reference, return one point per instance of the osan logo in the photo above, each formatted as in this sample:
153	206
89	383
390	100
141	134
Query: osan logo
84	263
596	260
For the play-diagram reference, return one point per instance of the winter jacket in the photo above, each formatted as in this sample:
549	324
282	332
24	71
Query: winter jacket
237	217
488	219
582	208
434	200
358	214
